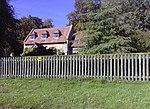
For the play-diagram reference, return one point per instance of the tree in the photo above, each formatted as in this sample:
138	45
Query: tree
141	41
136	14
105	34
82	7
26	24
8	30
111	24
47	23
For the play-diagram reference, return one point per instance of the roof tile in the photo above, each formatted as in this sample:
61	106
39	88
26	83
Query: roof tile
76	42
62	39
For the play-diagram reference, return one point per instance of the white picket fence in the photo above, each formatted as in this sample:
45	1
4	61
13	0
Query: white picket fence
115	66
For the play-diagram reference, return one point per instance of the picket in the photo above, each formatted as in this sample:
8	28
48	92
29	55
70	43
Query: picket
147	67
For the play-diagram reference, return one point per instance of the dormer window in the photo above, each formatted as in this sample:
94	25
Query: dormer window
44	36
32	37
56	35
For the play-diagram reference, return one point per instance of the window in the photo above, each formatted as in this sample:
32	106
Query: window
44	36
32	37
56	35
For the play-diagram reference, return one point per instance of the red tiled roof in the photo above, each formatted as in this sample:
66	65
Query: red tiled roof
76	42
65	31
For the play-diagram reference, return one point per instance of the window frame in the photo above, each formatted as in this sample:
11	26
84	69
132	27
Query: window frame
56	35
43	38
32	37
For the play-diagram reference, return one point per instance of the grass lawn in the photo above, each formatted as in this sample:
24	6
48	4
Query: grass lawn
73	94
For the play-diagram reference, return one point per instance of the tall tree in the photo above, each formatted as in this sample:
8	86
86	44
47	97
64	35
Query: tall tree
82	7
26	24
110	24
8	29
47	23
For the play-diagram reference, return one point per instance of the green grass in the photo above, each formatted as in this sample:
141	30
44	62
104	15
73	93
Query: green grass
73	94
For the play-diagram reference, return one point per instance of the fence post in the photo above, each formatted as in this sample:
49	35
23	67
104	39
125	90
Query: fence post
132	67
57	66
59	71
4	67
118	66
88	66
122	72
65	69
143	76
111	67
104	67
70	70
95	70
85	66
114	57
30	64
98	65
73	69
147	66
1	67
48	66
140	65
54	66
101	66
68	66
51	74
78	67
43	67
125	67
129	66
136	69
91	66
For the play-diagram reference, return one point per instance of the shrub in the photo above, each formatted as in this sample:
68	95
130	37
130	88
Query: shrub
39	51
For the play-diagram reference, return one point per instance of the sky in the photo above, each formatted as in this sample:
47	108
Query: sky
44	9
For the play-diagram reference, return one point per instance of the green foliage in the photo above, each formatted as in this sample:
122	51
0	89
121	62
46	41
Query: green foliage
39	51
111	24
8	30
105	33
26	24
141	41
27	51
47	23
82	7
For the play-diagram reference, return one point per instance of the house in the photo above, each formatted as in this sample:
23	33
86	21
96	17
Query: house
77	44
58	37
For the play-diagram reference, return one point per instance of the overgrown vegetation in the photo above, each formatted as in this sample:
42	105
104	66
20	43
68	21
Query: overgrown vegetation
73	94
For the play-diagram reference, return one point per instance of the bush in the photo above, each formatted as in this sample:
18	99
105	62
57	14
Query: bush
39	51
